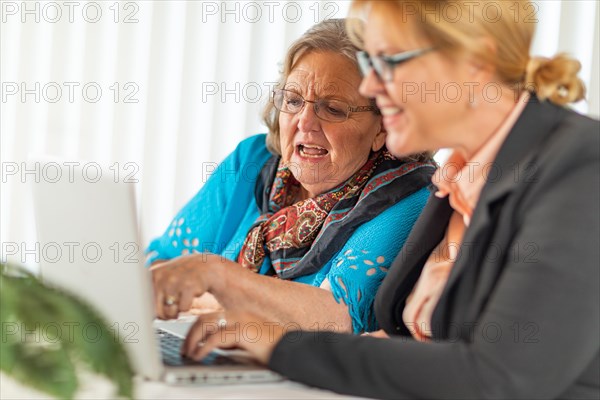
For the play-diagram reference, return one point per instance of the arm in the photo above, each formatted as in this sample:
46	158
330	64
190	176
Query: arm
367	250
354	278
537	334
296	304
290	303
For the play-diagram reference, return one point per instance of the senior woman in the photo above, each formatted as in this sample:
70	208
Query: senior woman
496	292
303	204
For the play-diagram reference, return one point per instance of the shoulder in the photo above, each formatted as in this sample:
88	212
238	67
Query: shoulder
569	131
574	141
547	141
579	133
253	147
249	152
253	142
563	168
397	218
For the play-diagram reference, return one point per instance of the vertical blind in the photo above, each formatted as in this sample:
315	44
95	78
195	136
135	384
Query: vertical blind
158	92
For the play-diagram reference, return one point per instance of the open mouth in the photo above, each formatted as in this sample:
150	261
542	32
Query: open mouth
311	151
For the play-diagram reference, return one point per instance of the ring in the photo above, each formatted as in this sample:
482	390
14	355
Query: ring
222	323
170	300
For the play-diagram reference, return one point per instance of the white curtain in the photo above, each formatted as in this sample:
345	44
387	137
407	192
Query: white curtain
160	91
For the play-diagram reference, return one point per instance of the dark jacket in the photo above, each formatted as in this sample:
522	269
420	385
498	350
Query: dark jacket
520	314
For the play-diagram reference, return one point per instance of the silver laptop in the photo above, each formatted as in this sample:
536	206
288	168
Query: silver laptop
88	236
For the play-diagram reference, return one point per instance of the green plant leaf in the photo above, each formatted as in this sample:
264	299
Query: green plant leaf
44	337
49	371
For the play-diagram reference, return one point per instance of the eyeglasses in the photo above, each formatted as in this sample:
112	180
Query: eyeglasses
330	110
384	65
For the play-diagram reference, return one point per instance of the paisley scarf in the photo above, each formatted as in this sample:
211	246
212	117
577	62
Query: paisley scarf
301	236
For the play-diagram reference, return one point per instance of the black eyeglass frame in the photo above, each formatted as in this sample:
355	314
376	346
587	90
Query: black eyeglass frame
367	62
315	103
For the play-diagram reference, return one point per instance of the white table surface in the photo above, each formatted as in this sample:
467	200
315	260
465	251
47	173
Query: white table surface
93	387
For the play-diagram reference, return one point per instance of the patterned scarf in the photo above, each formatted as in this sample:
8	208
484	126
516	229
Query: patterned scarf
287	231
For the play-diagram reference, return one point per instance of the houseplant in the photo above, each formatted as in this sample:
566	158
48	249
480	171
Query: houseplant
43	345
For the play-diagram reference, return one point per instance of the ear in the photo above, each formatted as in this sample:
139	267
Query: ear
479	70
379	139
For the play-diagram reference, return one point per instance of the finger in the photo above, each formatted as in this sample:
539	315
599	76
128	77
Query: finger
201	350
185	300
213	341
156	274
202	311
203	326
207	300
379	334
170	308
191	335
382	334
159	301
158	284
170	311
154	267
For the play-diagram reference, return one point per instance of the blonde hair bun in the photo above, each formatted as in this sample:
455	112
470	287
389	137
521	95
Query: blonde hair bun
555	79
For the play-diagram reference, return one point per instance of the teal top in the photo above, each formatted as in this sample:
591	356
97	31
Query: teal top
218	218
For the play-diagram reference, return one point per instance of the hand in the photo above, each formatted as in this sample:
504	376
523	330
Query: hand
205	304
177	282
380	334
233	329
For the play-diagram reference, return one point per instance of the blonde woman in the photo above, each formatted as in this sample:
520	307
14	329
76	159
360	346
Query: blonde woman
496	293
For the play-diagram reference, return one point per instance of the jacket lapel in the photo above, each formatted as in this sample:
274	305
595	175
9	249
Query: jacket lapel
427	232
513	167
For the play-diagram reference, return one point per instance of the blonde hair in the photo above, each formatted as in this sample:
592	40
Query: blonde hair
458	26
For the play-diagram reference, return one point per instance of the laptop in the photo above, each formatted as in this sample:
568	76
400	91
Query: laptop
89	245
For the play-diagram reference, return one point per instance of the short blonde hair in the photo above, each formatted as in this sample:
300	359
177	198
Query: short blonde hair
457	26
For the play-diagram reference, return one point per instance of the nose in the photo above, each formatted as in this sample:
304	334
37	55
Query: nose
371	85
307	119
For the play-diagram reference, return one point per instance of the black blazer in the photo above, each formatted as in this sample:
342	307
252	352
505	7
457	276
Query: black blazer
520	314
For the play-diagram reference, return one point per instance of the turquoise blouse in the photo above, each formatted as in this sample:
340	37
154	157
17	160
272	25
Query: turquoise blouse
220	215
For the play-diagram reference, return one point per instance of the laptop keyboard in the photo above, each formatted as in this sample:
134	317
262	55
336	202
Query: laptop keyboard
170	346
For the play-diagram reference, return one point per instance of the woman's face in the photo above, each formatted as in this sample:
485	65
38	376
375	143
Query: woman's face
424	107
324	154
